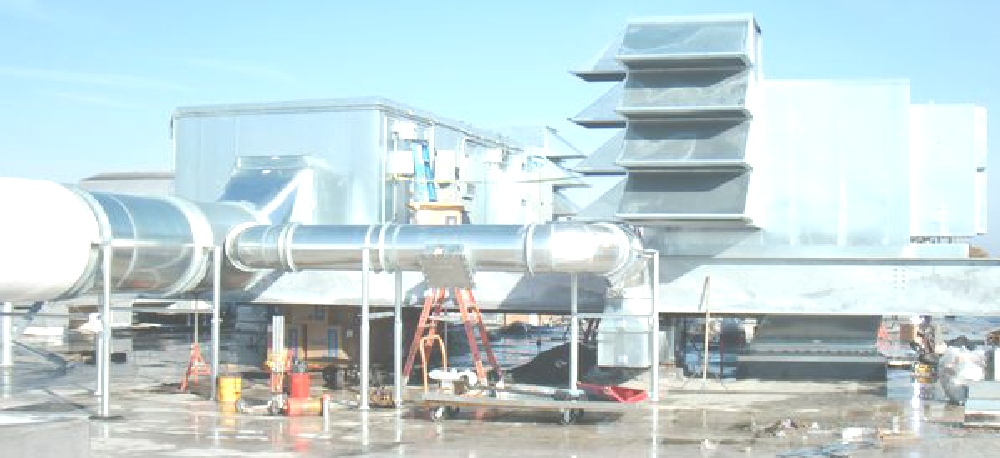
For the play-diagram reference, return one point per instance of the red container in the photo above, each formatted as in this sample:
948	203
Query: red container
613	393
298	385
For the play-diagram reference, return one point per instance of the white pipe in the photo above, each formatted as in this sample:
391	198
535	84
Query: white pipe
574	330
106	331
99	363
50	232
365	324
216	318
654	320
7	337
397	341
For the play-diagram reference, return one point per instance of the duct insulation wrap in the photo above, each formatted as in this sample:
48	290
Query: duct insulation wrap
49	234
598	248
160	246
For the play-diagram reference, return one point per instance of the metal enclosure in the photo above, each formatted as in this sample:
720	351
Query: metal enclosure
843	187
352	140
947	170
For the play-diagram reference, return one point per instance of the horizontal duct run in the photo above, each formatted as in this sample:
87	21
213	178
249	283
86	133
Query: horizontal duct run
597	248
161	246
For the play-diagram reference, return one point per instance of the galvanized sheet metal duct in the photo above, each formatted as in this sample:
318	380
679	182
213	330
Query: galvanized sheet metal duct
160	246
599	248
53	233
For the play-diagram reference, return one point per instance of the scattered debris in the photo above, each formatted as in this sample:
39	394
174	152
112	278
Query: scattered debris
779	428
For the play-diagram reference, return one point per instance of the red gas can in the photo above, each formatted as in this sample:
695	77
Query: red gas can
298	385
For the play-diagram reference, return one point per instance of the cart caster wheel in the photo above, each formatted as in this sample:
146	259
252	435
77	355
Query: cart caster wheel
569	416
438	413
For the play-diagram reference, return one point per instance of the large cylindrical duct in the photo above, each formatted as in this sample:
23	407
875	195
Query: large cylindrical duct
160	246
49	233
571	247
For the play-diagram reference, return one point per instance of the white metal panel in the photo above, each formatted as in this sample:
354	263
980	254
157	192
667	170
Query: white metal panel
832	286
48	239
981	199
836	157
943	194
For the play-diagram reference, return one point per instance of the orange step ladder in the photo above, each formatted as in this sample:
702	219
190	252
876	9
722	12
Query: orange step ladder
196	367
472	321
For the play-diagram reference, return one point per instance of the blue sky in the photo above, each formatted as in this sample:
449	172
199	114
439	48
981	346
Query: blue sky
87	87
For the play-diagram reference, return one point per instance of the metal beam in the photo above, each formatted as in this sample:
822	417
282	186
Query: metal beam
103	356
397	341
216	316
365	326
654	324
7	335
574	331
106	333
833	286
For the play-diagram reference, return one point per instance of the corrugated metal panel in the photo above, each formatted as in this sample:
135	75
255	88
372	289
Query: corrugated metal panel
686	195
682	36
688	120
652	143
687	88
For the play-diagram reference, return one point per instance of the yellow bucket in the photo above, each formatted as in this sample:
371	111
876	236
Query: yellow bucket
230	387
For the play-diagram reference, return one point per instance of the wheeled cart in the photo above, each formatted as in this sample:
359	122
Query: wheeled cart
443	406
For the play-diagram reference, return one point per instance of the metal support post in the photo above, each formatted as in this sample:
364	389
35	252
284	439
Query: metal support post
365	326
104	356
216	318
706	290
574	339
654	325
7	337
397	341
106	332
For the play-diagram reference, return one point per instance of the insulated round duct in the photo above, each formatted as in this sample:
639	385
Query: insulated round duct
49	234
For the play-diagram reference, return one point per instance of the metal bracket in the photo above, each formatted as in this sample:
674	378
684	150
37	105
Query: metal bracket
447	266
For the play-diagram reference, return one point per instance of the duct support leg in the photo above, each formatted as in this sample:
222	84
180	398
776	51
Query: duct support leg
216	318
397	341
7	337
104	356
365	326
654	325
574	331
